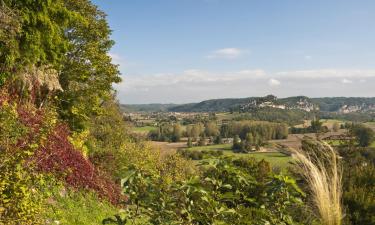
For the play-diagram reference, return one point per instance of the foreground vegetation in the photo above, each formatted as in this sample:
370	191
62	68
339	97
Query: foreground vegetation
67	156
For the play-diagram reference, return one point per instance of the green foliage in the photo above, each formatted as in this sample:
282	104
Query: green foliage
107	131
292	117
359	196
85	84
211	129
359	185
199	155
228	192
189	143
35	33
265	130
194	131
20	200
70	38
16	201
364	135
251	135
315	127
166	132
65	206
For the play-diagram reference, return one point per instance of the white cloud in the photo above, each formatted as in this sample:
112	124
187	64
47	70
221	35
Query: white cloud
308	57
327	73
195	85
346	81
273	82
227	53
191	77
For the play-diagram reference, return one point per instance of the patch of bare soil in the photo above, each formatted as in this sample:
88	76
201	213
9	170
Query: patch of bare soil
166	147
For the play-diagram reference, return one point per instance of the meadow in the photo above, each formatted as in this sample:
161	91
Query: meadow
144	129
277	159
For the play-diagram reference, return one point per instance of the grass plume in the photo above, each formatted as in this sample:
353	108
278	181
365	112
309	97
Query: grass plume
322	172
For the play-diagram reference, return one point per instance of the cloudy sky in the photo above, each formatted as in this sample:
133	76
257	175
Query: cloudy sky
178	51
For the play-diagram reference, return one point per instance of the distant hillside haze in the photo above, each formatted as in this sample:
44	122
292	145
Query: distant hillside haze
147	107
327	104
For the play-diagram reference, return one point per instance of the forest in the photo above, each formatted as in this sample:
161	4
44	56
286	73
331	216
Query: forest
70	156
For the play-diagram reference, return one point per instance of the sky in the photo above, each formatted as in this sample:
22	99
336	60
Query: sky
180	51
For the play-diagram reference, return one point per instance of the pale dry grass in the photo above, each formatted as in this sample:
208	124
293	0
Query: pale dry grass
323	175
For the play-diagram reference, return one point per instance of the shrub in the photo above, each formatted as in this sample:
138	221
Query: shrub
68	206
45	146
225	193
59	157
19	204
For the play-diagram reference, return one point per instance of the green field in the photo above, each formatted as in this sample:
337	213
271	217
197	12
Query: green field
371	125
276	159
145	129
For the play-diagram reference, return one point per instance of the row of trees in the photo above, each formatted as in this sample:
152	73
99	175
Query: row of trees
316	126
247	134
250	136
174	131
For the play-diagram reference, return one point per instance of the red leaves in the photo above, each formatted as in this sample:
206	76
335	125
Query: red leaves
59	157
53	153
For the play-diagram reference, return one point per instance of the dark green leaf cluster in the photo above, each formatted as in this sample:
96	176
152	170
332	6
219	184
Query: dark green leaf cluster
229	191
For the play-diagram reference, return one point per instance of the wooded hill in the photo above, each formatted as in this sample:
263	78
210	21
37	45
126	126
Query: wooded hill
326	104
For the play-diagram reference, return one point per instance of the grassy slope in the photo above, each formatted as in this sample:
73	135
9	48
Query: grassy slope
77	207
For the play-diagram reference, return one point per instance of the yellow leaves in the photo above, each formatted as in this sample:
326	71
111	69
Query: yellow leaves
78	140
144	158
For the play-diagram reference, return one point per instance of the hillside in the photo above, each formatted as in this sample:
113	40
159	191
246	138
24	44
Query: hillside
146	107
342	105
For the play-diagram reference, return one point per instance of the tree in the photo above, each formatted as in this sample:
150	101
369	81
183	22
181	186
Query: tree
335	126
87	72
364	135
316	125
237	145
176	135
225	130
33	33
189	143
197	130
211	129
202	141
218	140
249	142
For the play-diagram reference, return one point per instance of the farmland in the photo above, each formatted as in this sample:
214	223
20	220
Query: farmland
277	159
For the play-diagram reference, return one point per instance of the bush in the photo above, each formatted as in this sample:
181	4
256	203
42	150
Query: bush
19	203
23	129
80	207
191	154
226	192
59	157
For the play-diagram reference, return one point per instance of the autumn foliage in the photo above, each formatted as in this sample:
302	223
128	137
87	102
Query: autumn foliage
59	157
53	153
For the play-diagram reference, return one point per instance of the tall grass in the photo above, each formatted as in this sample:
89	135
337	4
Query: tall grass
323	174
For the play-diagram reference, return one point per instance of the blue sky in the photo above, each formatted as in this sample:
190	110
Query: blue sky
191	50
